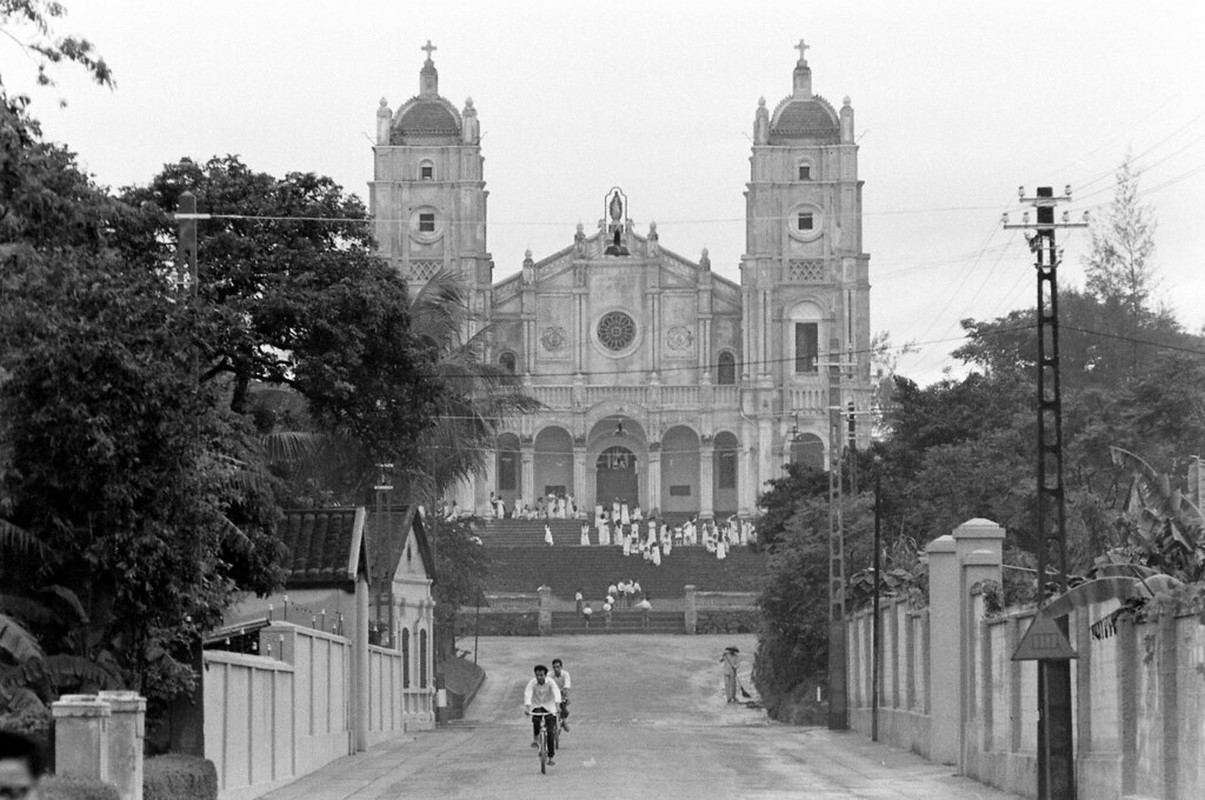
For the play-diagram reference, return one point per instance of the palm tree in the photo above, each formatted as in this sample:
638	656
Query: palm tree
476	398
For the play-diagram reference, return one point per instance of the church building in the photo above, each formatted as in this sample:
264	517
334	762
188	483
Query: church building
664	384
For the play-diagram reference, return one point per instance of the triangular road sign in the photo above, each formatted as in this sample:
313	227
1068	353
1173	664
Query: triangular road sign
1043	642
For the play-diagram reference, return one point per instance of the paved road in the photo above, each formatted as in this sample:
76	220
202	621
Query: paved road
648	721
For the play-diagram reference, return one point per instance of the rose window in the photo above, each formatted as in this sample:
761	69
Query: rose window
616	330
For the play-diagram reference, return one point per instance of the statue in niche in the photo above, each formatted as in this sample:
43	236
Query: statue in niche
579	240
615	209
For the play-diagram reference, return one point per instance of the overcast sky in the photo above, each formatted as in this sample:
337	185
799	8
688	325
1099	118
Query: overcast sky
957	103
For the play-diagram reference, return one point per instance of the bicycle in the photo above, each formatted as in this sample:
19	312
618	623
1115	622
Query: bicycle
545	731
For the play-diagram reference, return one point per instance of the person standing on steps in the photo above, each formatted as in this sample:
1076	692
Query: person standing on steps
645	607
729	662
577	598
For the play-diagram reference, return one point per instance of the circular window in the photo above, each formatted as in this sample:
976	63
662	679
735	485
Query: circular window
616	330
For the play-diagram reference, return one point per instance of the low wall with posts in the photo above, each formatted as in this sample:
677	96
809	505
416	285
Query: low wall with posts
100	737
270	719
949	690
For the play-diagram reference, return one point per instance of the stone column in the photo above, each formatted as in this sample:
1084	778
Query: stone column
527	482
545	618
653	476
944	661
81	734
360	648
127	730
579	479
692	611
706	481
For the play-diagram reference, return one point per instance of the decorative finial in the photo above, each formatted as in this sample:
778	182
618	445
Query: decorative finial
384	102
468	101
761	102
527	254
802	47
429	48
845	102
581	228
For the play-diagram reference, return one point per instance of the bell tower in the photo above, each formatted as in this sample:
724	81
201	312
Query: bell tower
804	276
428	193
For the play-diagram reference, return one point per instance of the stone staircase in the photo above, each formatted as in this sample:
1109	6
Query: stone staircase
660	622
592	569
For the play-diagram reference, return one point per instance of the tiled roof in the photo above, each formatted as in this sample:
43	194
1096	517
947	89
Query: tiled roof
425	117
387	533
325	546
805	117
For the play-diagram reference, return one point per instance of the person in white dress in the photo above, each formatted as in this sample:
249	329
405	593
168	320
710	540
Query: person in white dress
637	514
585	535
615	510
518	507
627	545
547	535
625	515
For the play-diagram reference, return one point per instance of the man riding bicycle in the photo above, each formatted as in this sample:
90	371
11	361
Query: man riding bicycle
560	676
541	701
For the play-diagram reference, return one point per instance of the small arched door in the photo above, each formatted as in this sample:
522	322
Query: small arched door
615	477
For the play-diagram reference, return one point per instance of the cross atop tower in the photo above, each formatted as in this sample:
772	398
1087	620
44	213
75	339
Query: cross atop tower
801	47
430	47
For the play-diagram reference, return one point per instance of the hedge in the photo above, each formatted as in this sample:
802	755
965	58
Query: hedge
728	621
55	788
179	777
499	623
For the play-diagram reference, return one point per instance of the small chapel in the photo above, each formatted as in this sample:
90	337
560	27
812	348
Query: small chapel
665	385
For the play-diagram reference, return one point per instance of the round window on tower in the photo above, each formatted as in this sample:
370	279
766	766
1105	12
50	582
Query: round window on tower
616	331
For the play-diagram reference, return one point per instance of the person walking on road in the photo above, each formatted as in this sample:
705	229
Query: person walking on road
541	696
729	662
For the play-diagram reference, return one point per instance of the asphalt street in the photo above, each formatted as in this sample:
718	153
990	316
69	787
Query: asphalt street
648	720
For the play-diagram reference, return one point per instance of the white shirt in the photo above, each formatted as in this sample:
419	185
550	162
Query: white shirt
547	697
563	681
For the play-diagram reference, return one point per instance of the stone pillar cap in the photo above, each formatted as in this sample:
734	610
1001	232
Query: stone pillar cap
80	705
979	528
124	700
942	544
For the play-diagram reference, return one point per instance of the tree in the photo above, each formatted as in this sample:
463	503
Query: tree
291	267
40	16
120	476
1118	264
476	396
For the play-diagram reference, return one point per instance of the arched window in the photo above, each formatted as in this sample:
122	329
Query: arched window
507	362
405	658
726	369
422	659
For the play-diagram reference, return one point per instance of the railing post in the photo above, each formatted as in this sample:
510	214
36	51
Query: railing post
692	610
545	618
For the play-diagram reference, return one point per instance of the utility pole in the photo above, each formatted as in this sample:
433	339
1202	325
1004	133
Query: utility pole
1056	757
875	635
838	701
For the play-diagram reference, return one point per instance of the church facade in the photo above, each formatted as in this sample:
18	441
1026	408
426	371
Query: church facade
665	384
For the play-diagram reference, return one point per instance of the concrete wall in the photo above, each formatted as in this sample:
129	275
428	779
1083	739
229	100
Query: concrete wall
272	719
956	697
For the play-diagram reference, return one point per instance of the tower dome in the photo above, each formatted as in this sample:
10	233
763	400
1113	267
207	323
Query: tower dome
803	115
426	116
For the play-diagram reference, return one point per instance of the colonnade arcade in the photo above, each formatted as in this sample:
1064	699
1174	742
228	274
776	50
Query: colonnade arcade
679	473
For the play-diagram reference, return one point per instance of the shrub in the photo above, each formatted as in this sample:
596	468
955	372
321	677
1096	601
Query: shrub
56	788
500	623
179	777
731	620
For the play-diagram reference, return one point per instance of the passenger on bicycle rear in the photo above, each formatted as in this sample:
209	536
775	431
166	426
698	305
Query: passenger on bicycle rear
560	676
541	697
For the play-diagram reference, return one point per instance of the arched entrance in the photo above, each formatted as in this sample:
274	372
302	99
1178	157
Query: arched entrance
680	470
553	462
615	476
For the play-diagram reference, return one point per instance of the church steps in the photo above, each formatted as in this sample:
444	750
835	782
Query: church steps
593	569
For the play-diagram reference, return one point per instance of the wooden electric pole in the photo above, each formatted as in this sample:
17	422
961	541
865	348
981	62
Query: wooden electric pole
1056	756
